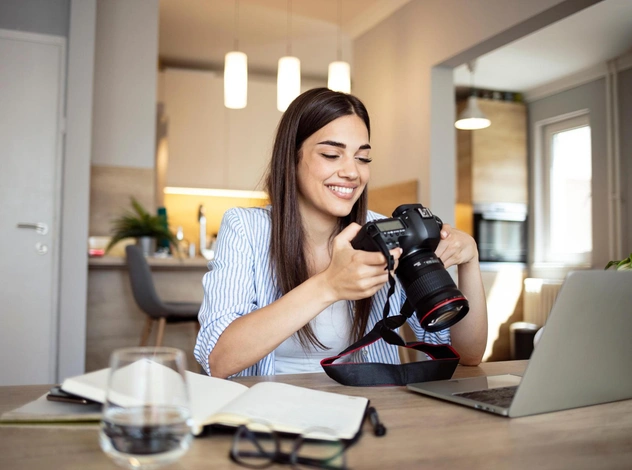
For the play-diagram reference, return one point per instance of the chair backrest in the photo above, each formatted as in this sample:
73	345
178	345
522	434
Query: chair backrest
142	283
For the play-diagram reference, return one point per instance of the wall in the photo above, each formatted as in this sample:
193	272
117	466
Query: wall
625	124
395	74
36	16
182	211
124	125
76	189
124	116
590	96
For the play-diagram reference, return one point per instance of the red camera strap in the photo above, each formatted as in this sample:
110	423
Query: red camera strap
442	365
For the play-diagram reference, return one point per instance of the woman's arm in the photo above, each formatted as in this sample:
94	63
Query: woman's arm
351	275
469	336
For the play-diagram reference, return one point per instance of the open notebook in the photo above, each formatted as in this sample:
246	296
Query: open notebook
287	408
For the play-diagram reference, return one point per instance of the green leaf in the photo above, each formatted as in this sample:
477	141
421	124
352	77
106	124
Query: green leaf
621	265
139	223
611	263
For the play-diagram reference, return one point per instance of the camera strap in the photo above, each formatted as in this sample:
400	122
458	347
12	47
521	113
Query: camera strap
442	365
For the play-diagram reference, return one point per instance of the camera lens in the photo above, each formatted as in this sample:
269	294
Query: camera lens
431	291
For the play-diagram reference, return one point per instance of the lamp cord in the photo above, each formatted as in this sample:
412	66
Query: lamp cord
339	29
236	28
471	66
289	27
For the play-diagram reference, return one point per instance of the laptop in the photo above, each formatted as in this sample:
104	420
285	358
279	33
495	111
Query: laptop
582	358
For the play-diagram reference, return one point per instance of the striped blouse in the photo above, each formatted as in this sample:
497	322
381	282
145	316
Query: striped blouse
240	280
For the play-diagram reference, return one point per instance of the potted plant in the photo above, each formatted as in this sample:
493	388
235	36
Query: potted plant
621	265
143	226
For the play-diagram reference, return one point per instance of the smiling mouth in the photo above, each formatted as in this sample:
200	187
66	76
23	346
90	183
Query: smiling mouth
341	190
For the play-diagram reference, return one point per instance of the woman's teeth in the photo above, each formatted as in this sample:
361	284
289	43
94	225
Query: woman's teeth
340	189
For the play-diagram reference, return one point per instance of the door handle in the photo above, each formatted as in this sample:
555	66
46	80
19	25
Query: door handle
39	227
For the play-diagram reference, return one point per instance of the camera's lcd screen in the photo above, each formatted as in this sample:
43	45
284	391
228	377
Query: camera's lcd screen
388	225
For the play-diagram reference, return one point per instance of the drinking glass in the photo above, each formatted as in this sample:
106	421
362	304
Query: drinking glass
146	419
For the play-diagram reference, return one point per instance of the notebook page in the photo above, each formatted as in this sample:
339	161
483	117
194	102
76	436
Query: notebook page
289	408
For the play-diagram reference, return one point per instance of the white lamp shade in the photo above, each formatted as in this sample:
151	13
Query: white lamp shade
339	78
288	81
472	118
235	80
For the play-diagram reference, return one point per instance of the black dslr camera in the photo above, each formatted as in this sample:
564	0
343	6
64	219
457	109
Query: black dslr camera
429	287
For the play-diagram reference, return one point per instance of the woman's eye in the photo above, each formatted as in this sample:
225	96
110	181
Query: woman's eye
365	159
331	157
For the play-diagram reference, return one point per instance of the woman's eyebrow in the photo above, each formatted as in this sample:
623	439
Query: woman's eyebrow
341	145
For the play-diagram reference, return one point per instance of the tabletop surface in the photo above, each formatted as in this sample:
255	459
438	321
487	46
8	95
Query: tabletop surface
422	433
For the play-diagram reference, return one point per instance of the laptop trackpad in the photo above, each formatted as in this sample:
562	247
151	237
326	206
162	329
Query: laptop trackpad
505	380
470	384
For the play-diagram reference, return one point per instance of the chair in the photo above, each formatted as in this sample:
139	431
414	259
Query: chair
148	301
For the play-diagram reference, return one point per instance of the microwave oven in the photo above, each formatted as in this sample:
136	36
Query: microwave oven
500	231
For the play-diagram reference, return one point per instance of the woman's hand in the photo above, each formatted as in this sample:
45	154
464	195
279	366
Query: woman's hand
456	247
356	274
469	336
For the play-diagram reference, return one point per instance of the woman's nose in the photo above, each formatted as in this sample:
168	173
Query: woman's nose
348	169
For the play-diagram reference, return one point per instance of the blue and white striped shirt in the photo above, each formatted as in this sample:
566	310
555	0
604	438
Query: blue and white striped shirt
240	280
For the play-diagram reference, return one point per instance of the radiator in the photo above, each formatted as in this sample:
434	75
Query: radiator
539	296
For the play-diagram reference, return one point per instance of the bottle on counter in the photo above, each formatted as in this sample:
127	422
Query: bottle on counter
163	245
202	222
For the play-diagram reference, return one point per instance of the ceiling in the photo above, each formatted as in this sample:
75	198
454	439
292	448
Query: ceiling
201	32
579	42
198	33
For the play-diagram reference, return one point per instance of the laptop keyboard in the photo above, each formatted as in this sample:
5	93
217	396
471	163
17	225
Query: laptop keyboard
501	396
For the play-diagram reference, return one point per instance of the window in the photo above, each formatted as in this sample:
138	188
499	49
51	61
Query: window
566	202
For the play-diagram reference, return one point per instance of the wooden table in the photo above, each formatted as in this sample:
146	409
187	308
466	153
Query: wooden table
423	433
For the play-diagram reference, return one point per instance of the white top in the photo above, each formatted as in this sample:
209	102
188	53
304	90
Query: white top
332	327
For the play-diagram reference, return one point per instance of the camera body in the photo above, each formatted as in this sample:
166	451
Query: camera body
429	287
412	228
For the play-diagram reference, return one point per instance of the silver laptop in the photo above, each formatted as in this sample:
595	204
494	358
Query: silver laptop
583	357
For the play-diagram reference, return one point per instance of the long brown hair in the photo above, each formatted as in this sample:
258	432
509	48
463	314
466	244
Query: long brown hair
308	113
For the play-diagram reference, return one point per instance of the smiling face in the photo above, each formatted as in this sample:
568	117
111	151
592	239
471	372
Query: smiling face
333	169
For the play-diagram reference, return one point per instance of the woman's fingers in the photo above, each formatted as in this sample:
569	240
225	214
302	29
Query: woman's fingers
456	247
375	258
357	274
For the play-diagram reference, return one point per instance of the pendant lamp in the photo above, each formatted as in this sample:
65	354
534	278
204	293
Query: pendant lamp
289	71
339	74
236	73
472	118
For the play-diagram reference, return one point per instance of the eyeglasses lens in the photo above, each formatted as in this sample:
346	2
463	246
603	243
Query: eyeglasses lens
255	448
319	449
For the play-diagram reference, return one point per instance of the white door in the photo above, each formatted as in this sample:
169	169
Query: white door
32	70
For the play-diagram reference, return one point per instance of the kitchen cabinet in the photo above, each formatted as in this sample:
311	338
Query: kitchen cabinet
210	146
492	162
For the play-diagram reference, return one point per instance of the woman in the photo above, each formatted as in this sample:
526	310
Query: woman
286	288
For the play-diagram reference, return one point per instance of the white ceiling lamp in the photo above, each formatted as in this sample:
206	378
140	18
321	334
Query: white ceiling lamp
289	72
236	73
339	76
472	118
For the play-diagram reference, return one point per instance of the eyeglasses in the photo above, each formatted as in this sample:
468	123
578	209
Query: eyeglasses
257	445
